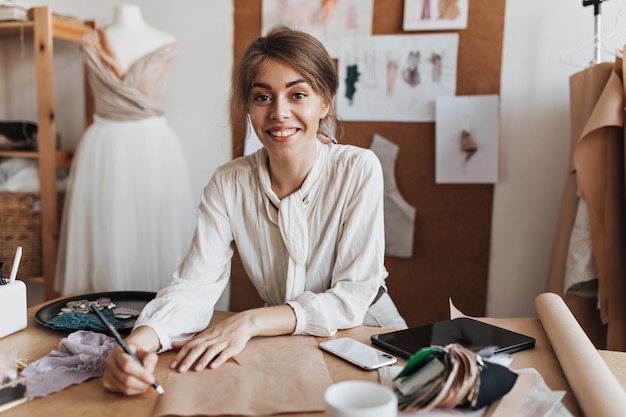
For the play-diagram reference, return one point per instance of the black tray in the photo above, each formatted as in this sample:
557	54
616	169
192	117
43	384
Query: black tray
131	299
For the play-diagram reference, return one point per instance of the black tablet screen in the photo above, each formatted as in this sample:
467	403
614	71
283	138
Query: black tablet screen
470	333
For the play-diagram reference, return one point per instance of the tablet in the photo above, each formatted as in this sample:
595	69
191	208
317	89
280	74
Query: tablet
472	334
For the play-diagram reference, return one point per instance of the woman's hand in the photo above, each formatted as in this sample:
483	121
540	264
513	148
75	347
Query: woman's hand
124	374
216	344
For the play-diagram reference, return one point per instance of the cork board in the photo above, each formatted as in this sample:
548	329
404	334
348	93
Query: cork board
453	222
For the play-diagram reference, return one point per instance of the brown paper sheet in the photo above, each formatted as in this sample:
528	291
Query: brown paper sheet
597	391
273	375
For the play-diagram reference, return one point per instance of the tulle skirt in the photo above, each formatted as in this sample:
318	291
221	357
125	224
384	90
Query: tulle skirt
129	214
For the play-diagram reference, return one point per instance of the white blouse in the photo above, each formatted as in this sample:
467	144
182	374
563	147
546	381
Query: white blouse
321	249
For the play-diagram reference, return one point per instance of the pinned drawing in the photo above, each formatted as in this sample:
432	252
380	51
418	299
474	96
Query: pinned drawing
466	139
392	71
435	59
395	77
327	20
468	145
435	14
411	73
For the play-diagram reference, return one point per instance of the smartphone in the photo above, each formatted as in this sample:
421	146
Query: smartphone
357	353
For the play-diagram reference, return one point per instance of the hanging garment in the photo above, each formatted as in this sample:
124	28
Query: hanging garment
128	214
596	176
599	163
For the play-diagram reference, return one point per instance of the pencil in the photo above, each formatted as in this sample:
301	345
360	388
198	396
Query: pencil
158	387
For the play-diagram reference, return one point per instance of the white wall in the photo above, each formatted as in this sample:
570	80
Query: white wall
539	37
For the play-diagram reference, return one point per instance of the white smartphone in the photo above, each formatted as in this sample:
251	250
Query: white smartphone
357	353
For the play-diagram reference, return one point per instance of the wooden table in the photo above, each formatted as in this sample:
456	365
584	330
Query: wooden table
89	398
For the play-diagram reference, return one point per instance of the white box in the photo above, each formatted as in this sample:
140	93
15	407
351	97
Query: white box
12	307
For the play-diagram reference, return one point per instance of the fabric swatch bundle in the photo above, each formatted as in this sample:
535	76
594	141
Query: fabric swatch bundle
449	377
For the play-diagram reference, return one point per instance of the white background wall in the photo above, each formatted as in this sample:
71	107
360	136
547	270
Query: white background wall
544	43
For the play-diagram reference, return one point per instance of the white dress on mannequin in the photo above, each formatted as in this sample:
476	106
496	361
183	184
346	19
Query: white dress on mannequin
128	214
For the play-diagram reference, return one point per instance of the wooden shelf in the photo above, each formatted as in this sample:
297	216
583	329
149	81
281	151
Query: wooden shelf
69	31
19	154
44	28
63	157
62	29
16	28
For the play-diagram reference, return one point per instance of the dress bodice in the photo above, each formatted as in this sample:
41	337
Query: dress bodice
137	94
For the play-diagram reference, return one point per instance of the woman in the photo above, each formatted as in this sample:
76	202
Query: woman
305	214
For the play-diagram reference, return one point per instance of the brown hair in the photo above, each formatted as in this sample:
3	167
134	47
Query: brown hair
304	53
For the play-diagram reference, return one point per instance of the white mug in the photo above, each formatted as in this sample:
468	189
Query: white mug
360	399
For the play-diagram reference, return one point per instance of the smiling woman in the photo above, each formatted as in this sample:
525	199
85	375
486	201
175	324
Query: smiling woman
305	214
286	118
314	65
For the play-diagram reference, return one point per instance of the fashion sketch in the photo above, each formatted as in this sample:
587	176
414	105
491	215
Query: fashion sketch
395	77
327	20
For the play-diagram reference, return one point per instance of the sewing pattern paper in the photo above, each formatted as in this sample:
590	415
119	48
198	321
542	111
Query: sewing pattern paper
273	375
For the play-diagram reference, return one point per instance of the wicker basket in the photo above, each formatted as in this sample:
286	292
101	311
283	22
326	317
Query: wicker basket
20	225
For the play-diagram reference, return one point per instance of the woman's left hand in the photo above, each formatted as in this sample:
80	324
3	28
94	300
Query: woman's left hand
216	344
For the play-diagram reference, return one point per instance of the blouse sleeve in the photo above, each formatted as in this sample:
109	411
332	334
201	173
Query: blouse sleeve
358	270
186	305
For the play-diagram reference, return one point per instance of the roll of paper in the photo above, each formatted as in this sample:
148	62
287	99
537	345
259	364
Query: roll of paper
598	392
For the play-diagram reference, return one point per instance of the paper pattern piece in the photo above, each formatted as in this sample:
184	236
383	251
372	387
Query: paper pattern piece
273	375
435	14
459	160
399	214
395	77
454	311
327	20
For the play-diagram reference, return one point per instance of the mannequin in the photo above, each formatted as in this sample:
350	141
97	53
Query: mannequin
131	37
127	222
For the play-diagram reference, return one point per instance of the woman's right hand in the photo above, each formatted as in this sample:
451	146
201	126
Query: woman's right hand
122	373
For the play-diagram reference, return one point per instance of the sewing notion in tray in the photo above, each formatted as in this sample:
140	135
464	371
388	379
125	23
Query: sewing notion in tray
73	313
